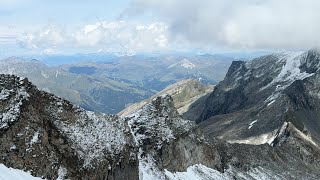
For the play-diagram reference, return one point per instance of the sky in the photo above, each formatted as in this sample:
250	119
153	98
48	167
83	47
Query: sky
132	26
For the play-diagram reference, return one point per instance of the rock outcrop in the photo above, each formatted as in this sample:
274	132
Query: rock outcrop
46	135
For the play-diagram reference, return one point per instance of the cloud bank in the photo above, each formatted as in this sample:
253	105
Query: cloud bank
205	25
116	36
268	24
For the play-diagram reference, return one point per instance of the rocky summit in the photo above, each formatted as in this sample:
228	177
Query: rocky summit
260	122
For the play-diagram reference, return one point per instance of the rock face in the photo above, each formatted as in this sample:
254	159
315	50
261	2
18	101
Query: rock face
271	102
48	135
168	142
257	97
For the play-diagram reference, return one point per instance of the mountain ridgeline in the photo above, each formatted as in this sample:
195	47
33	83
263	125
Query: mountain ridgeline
260	122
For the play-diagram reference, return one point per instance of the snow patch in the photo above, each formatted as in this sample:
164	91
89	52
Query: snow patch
57	73
148	169
289	73
256	140
200	172
13	147
173	65
62	173
270	103
252	123
44	75
197	172
187	64
12	112
14	174
4	94
35	138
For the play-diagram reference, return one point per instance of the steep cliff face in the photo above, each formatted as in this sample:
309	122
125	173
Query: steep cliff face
257	97
50	137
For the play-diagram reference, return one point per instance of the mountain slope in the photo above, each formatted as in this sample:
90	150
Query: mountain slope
184	93
99	94
258	97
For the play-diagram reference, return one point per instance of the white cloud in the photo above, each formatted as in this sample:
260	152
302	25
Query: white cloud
238	24
117	36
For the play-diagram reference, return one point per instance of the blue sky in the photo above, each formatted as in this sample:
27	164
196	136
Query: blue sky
26	12
131	26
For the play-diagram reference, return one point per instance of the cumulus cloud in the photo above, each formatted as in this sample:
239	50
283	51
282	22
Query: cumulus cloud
117	36
238	24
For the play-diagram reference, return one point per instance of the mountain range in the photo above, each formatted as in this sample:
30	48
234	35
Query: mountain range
260	122
111	86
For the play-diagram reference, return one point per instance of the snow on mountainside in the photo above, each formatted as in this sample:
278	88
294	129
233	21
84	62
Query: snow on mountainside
14	98
289	73
185	63
14	174
201	172
93	136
